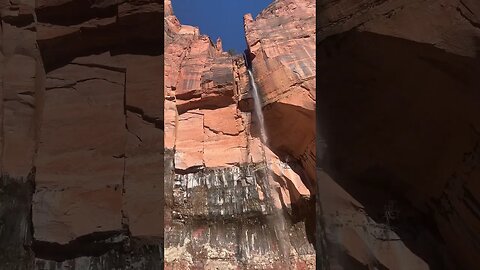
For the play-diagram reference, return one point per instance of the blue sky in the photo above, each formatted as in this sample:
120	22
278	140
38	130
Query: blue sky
219	18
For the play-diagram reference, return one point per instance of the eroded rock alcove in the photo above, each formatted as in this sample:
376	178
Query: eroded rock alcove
398	119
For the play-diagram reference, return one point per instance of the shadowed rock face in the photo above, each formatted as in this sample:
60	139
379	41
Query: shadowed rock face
231	201
81	135
398	111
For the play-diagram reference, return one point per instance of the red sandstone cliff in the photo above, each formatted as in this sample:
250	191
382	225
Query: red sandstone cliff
81	133
82	137
222	207
281	43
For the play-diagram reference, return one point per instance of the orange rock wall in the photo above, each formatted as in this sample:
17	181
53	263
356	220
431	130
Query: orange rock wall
216	183
281	43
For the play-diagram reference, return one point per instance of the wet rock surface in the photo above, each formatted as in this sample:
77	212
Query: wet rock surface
129	255
281	45
15	222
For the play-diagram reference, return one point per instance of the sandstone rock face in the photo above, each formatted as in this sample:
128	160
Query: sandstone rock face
82	135
231	201
281	44
398	112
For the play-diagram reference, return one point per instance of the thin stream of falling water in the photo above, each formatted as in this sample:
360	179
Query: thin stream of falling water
258	107
276	220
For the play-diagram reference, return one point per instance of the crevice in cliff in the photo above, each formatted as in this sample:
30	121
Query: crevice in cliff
27	93
191	169
66	86
21	20
207	103
221	132
472	22
134	31
138	137
84	80
111	68
188	95
157	122
21	101
28	244
2	125
55	53
135	254
248	56
83	11
94	244
124	218
39	97
73	84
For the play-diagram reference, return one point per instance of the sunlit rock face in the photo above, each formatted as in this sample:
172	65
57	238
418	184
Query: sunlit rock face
226	192
398	110
281	44
81	135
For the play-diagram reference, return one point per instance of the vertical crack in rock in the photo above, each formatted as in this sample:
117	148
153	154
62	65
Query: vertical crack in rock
2	122
158	123
124	216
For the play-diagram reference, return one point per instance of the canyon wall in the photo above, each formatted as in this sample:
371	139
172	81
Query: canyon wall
232	201
81	135
90	143
281	48
398	127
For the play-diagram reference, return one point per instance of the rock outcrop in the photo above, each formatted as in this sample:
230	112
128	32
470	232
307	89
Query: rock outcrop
81	135
398	111
232	202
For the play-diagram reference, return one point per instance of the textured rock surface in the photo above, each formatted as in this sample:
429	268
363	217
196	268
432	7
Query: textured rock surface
281	44
231	202
398	111
81	135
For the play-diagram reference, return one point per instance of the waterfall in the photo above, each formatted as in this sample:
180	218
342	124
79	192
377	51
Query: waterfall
276	220
258	107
